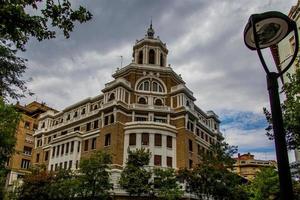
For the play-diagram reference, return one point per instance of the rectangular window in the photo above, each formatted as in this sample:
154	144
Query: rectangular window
60	165
51	168
67	147
96	124
169	161
72	147
77	128
76	165
94	140
53	152
105	120
65	164
57	151
197	131
107	140
64	132
86	145
199	149
49	139
157	139
169	141
202	134
56	167
78	148
27	125
132	139
145	138
157	160
62	149
37	157
190	164
27	151
88	126
70	164
112	118
191	145
206	138
46	155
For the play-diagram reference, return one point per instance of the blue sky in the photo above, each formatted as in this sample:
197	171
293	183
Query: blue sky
205	42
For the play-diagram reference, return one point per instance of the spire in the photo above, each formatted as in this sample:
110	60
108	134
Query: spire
150	31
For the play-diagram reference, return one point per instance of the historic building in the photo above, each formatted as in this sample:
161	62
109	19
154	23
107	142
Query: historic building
246	166
146	105
21	160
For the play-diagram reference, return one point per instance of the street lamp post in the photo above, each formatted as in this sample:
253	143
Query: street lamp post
263	31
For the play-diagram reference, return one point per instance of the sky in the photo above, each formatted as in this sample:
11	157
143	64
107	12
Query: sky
205	42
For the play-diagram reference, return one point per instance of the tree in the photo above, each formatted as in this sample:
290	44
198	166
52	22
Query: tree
9	120
135	178
290	111
18	24
94	181
265	185
211	178
166	185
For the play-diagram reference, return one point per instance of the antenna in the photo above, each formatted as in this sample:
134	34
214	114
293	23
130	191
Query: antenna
121	61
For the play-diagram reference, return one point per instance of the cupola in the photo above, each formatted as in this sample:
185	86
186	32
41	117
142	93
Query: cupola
150	50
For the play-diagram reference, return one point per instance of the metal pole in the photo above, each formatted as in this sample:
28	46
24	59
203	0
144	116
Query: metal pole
285	181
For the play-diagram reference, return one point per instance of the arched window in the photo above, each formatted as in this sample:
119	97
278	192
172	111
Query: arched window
111	97
158	102
161	60
148	85
151	56
142	100
140	58
95	107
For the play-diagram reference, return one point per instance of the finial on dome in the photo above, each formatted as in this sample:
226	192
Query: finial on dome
150	31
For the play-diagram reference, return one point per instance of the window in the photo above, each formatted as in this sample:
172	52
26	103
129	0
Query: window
43	125
151	56
142	100
72	147
56	167
70	164
112	118
25	164
197	131
158	102
155	86
86	145
132	139
51	169
96	124
111	97
191	145
157	139
65	164
106	120
169	141
53	152
94	143
62	149
37	157
202	134
78	147
206	138
190	164
161	60
64	132
88	126
27	151
77	128
75	114
199	149
46	155
76	164
157	160
140	58
60	165
107	140
27	125
169	161
141	119
49	139
83	111
69	117
57	151
67	147
145	138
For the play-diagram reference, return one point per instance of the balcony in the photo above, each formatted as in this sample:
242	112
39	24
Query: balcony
150	107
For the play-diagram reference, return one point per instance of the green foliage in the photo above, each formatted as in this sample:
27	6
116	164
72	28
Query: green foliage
135	178
166	185
93	178
21	20
290	111
265	185
211	178
9	120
